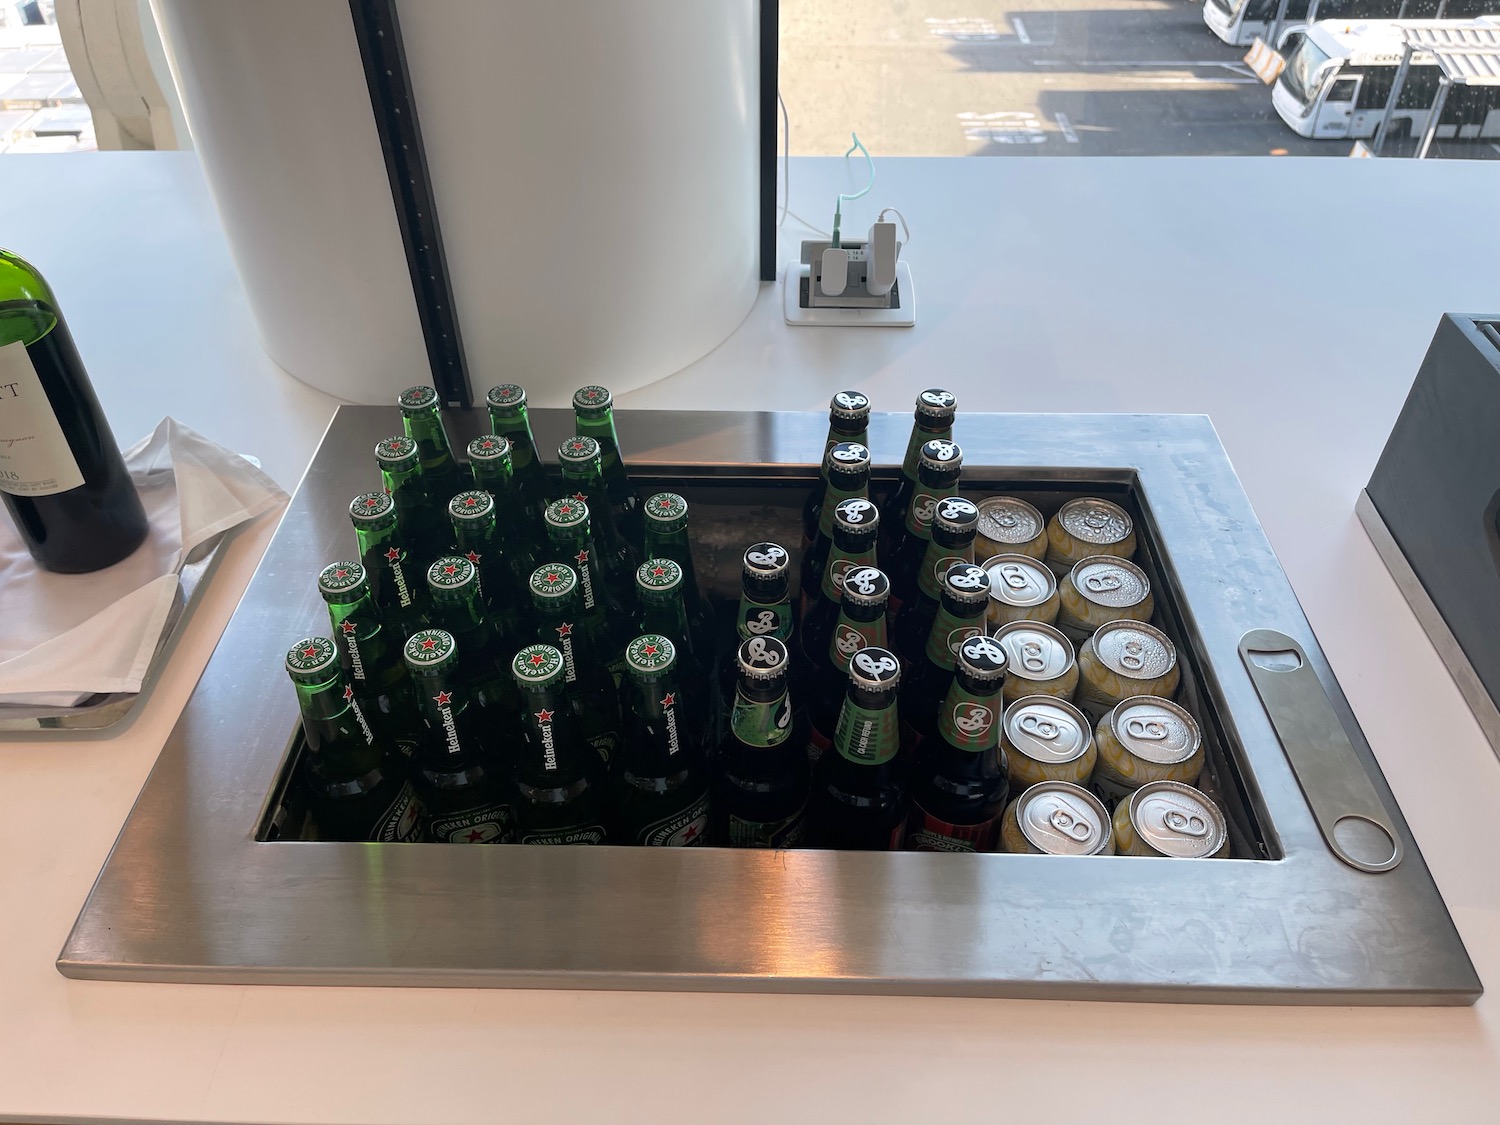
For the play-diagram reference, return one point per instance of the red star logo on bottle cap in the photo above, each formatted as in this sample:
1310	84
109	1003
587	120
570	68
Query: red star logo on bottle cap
565	509
450	569
428	644
536	660
649	650
372	501
487	443
664	503
310	651
348	692
544	716
582	557
444	698
471	502
658	572
580	497
669	699
565	629
393	554
341	572
348	628
553	576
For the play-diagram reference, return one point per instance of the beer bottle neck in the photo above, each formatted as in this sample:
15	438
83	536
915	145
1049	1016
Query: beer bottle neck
955	623
841	487
514	423
848	552
843	429
476	536
576	548
358	635
602	430
662	744
554	752
969	719
670	545
495	476
938	557
446	709
404	486
762	713
666	613
869	729
922	431
384	558
858	627
764	619
560	625
931	488
426	429
339	738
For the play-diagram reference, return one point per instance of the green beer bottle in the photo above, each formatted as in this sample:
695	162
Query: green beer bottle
856	529
765	593
397	586
960	615
955	522
503	570
861	624
560	780
508	418
858	794
570	539
666	519
594	415
933	419
520	517
661	778
583	481
760	789
848	469
658	589
459	775
483	652
591	690
939	466
419	513
422	419
357	783
848	421
370	654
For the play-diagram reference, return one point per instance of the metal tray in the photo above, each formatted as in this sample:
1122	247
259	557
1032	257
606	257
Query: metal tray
191	894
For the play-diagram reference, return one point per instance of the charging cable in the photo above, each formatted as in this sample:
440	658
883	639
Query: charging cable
838	207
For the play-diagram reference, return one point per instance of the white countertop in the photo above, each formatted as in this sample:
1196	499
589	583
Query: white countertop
1042	286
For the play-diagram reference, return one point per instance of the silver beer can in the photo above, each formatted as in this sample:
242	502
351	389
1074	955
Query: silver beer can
1088	526
1124	659
1039	661
1099	589
1167	818
1009	526
1021	589
1057	818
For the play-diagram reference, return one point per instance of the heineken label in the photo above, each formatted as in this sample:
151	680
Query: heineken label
487	824
851	636
340	577
417	398
451	572
928	833
839	566
402	822
564	631
766	833
948	632
395	450
471	505
506	394
586	578
347	637
489	447
761	724
969	721
650	654
683	829
554	580
359	715
867	737
573	834
758	620
537	665
666	507
592	398
447	722
429	648
566	513
371	506
658	575
311	655
578	451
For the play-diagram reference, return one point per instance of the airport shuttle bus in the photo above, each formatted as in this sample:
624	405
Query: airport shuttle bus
1339	76
1240	22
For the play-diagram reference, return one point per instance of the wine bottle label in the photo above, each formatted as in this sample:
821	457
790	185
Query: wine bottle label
766	833
683	829
487	824
929	834
867	737
401	823
35	458
761	724
573	834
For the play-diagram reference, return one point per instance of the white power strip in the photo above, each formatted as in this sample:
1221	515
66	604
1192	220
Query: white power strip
798	278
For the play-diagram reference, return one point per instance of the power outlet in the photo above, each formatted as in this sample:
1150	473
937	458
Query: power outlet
805	302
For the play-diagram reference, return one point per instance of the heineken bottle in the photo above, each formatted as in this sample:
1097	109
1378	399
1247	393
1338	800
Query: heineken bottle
856	527
660	779
570	539
760	789
858	797
591	690
517	513
662	610
954	524
560	781
508	418
503	570
398	587
848	469
959	786
933	420
666	520
483	652
459	774
848	422
960	615
594	415
583	481
422	419
420	515
765	593
861	624
370	654
356	783
939	466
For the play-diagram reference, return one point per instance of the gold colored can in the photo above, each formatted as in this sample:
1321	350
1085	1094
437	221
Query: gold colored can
1021	589
1099	589
1040	661
1088	526
1057	818
1142	740
1124	659
1009	526
1167	818
1046	739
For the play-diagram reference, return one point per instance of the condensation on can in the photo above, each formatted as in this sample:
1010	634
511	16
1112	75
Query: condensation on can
1009	525
1088	526
1146	739
1124	659
1046	739
1057	818
1100	589
1021	589
1039	659
1167	818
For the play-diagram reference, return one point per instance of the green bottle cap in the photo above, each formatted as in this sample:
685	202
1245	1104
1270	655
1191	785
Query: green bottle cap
537	666
850	406
650	657
937	405
372	507
966	583
578	451
941	456
983	659
667	512
311	660
430	651
489	447
339	579
567	514
450	573
507	396
474	504
592	402
396	453
417	400
658	577
554	580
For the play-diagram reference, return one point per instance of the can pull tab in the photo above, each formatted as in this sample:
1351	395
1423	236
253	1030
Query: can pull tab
1146	730
1069	825
1349	811
1185	824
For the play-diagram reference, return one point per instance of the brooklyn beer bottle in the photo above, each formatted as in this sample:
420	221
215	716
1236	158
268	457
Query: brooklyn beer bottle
939	466
420	514
399	589
370	654
858	796
760	791
508	418
459	772
570	540
959	785
861	624
960	615
954	524
661	777
933	420
583	480
856	527
765	593
357	783
560	780
594	416
848	469
422	419
848	421
591	690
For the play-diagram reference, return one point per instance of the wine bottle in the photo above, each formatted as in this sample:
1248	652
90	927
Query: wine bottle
61	473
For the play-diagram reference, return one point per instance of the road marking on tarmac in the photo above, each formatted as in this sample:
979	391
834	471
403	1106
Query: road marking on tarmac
1067	128
1015	22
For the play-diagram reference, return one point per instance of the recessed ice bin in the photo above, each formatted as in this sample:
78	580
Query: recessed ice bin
200	888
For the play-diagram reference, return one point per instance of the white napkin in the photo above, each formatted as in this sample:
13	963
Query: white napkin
65	637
